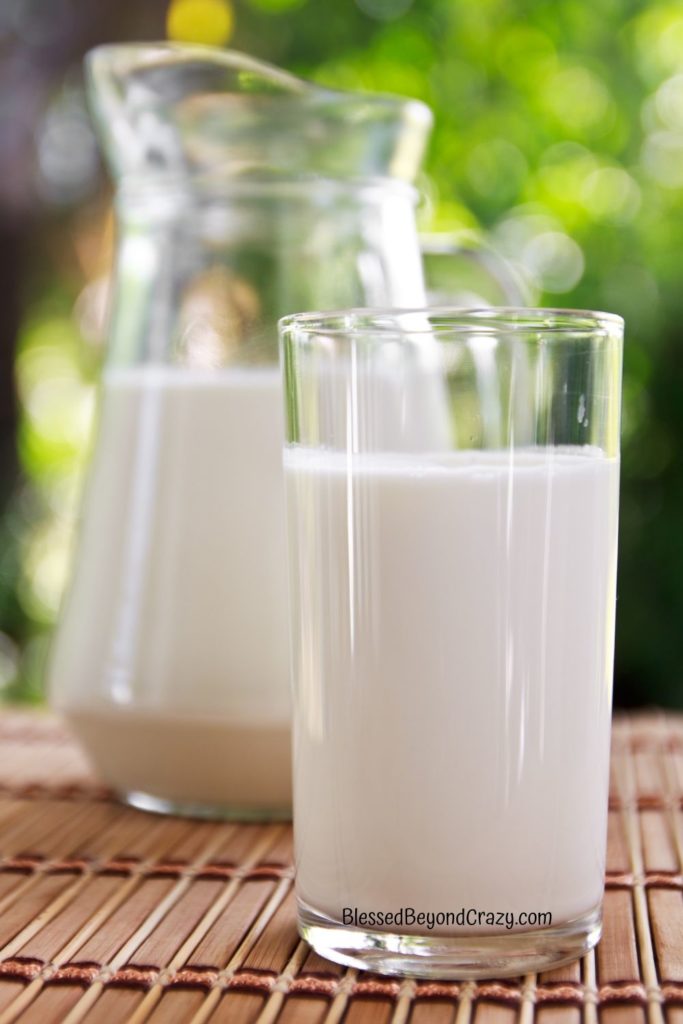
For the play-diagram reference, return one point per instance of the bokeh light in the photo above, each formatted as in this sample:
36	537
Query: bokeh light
554	261
610	193
68	160
669	102
663	158
579	100
200	21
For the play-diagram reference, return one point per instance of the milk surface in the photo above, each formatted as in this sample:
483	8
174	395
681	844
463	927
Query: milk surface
453	645
172	660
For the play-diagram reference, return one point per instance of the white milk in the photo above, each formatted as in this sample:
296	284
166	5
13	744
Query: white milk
172	659
454	627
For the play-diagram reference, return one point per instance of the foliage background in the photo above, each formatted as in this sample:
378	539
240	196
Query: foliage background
559	136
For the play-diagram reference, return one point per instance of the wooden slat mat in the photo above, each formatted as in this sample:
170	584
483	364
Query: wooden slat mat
110	915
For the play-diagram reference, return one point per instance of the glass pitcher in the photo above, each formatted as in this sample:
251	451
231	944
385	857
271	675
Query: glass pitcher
242	194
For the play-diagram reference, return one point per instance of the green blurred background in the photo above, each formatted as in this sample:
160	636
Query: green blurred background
559	138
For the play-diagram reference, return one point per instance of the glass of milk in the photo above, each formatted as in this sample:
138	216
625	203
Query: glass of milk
452	483
242	194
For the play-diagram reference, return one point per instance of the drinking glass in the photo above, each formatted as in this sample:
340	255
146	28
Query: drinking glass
452	496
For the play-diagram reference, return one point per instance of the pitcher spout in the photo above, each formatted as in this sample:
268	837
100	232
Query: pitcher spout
169	111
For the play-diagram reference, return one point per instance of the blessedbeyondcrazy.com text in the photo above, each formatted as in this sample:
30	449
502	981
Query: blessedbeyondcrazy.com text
406	918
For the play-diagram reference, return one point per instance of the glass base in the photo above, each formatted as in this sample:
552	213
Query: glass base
211	812
451	957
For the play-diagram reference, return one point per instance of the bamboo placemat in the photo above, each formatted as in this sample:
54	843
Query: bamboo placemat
109	915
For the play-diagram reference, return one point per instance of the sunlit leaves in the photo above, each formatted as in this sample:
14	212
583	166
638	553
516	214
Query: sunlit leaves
57	403
558	134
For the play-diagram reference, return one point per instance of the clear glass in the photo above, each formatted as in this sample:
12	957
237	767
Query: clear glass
452	497
463	270
242	194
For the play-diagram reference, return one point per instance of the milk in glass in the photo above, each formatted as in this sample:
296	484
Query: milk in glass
453	624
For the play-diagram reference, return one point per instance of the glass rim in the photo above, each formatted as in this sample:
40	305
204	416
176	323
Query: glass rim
391	323
129	56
